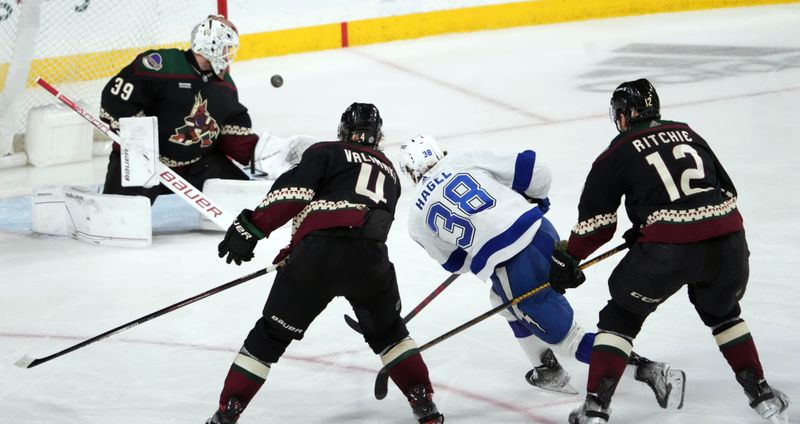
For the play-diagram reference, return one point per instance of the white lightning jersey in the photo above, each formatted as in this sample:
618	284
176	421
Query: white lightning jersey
469	213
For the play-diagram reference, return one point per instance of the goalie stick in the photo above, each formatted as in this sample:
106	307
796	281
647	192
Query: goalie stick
382	379
438	290
168	177
28	362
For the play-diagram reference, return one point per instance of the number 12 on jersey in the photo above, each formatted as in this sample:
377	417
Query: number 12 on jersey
696	173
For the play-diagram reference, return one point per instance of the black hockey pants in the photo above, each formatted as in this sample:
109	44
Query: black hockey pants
715	270
322	266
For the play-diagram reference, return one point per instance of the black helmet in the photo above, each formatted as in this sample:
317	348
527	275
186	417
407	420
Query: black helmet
639	96
361	123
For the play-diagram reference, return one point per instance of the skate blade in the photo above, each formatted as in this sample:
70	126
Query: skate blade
677	379
780	418
565	388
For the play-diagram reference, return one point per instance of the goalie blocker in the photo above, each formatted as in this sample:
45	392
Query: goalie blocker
139	151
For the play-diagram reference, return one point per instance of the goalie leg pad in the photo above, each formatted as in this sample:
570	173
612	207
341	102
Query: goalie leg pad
106	220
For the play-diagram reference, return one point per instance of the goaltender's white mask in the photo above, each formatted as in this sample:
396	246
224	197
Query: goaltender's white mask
418	155
216	41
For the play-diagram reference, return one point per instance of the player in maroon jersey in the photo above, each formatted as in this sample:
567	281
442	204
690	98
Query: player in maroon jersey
200	120
342	197
686	230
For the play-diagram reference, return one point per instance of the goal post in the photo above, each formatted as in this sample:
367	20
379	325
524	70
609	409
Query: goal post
79	44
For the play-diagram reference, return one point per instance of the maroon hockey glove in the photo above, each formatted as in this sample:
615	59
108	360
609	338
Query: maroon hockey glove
240	239
564	272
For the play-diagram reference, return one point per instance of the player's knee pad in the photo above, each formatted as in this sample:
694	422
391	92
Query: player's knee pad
382	340
548	315
712	319
265	342
616	319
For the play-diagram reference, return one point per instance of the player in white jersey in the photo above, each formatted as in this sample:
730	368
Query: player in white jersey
483	212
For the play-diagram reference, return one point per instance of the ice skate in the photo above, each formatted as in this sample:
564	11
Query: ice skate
422	405
668	384
597	406
229	414
550	375
591	412
770	403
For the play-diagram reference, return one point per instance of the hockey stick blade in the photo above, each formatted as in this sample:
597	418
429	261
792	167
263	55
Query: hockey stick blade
25	362
382	384
353	324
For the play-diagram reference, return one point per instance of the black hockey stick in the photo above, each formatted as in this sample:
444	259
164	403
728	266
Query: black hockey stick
28	362
382	379
438	290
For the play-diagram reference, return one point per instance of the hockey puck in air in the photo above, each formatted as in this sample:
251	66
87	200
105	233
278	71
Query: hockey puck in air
276	80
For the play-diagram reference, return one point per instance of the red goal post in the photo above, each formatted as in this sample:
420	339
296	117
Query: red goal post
79	44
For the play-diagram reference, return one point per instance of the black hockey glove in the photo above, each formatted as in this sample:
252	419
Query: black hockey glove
564	272
543	203
240	239
631	236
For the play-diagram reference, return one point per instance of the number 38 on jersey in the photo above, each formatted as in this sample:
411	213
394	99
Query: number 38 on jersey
451	219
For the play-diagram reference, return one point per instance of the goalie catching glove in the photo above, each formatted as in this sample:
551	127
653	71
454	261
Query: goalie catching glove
564	272
274	155
240	239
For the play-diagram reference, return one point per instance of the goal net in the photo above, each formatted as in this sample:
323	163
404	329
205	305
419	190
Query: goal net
77	45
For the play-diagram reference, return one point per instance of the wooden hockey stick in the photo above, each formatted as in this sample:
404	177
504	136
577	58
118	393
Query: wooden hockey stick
168	177
438	290
382	379
28	362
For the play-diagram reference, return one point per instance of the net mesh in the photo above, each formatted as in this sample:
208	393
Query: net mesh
78	44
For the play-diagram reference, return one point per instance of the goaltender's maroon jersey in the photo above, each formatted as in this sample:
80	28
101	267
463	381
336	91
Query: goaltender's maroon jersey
676	191
198	113
335	185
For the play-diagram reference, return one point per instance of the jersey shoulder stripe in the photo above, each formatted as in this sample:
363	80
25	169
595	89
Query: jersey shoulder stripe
523	171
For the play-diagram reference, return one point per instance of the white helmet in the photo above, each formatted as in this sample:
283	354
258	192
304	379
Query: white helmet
418	155
217	41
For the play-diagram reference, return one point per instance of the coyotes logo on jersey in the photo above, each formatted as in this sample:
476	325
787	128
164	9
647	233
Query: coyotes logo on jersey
200	126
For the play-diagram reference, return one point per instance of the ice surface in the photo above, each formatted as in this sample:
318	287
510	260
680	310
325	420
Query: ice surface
732	74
